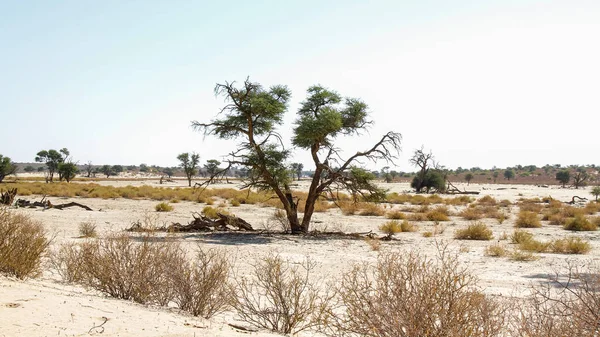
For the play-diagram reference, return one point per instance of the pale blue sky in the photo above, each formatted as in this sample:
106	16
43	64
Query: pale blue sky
480	83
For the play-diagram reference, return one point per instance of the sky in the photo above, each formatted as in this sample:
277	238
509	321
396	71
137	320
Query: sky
477	83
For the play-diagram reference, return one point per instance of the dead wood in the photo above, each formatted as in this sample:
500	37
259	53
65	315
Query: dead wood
573	199
71	204
203	224
47	204
454	190
7	198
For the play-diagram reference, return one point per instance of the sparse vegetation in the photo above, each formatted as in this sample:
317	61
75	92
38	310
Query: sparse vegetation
476	231
496	250
163	207
580	223
527	219
23	243
87	229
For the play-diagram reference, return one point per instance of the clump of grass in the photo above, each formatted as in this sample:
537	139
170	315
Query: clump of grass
417	217
427	234
487	200
371	209
497	250
439	213
519	236
531	207
533	245
390	228
395	215
408	227
471	213
87	229
476	231
163	207
518	255
23	243
235	203
174	201
580	223
570	245
528	219
348	207
460	200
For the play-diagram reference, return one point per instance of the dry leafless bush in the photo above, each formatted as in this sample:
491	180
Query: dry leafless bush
202	287
280	296
23	243
87	229
568	304
407	294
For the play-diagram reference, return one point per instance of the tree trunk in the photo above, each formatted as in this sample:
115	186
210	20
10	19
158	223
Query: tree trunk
292	214
309	209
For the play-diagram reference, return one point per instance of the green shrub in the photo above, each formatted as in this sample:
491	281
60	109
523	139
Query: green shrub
23	243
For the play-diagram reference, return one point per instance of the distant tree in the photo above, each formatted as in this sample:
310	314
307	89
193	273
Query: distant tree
580	178
29	169
131	168
252	114
67	171
495	175
468	178
212	167
596	192
89	169
107	170
297	169
52	158
169	171
117	169
41	169
423	161
509	174
434	180
531	168
563	176
189	164
7	167
143	168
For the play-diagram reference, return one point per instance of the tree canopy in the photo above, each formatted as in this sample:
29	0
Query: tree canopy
189	164
251	116
52	158
7	167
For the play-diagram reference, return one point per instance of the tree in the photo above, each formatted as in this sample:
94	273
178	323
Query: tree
596	192
7	167
117	169
89	169
29	169
580	178
563	176
52	158
468	178
509	174
252	114
433	180
143	168
189	164
495	175
67	171
212	166
424	161
169	171
107	170
297	168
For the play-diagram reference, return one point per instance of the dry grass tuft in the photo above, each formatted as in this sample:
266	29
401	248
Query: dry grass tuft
496	250
395	215
527	219
580	223
163	207
371	209
23	243
476	231
570	245
523	256
87	229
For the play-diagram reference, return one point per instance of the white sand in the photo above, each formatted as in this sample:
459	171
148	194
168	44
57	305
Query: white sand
47	307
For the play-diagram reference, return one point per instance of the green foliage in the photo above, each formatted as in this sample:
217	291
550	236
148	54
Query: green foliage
596	192
27	168
509	174
212	166
563	176
67	171
163	207
189	164
468	178
7	167
52	158
107	170
433	180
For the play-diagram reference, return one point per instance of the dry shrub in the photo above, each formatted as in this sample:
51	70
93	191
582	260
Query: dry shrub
520	256
235	203
531	207
567	304
439	213
407	294
580	223
417	217
371	209
212	213
202	287
279	219
558	219
163	207
476	231
408	227
472	213
460	200
374	243
23	243
527	219
395	215
487	201
427	234
121	267
505	203
519	236
496	250
348	207
174	201
87	229
592	208
535	246
281	296
390	228
570	245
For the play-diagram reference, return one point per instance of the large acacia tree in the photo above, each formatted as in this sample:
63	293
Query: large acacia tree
251	116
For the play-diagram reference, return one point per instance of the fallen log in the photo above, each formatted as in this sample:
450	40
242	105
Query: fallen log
573	199
48	204
204	224
454	190
71	204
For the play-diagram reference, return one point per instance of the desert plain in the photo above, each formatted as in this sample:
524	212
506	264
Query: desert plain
47	306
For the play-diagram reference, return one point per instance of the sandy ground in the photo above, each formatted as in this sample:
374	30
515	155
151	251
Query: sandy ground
48	307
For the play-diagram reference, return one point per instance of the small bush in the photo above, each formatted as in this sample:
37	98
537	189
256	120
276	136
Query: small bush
527	219
496	250
487	200
417	217
23	243
427	234
534	246
390	228
477	231
235	203
371	209
570	245
408	227
437	215
407	294
531	207
210	212
281	296
348	207
395	215
580	223
472	213
519	236
163	207
87	229
523	256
